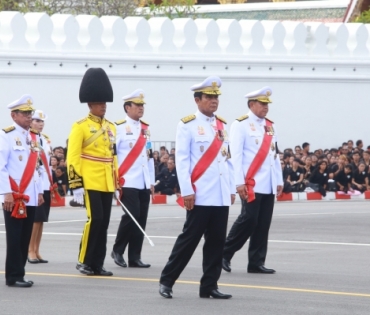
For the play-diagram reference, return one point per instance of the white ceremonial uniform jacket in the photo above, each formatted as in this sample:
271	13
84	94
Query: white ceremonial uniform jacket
245	140
141	174
46	146
14	153
215	186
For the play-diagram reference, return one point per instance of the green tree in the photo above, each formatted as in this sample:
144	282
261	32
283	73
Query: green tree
364	17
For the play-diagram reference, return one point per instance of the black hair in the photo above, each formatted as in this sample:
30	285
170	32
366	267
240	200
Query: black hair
126	104
348	166
305	144
198	94
61	168
297	146
286	155
358	142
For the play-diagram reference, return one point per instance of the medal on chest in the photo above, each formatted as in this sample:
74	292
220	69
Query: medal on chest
201	130
92	129
269	130
18	142
128	130
253	128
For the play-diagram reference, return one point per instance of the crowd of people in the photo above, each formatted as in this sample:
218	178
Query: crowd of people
345	169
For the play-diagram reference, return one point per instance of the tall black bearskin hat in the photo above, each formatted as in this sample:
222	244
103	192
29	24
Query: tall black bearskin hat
95	87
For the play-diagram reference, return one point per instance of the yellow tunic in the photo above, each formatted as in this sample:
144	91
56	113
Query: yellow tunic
91	156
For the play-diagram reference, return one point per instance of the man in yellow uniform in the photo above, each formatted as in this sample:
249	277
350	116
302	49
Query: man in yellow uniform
92	169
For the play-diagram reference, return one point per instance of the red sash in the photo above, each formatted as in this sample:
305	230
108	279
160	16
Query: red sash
132	155
53	186
257	163
206	160
20	199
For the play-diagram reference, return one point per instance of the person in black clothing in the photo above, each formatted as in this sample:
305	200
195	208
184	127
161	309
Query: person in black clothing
166	181
60	178
286	169
295	178
355	160
360	180
163	164
344	179
319	178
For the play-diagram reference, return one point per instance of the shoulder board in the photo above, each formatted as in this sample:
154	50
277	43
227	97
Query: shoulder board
221	119
241	118
109	122
34	131
8	129
81	120
188	118
144	122
269	120
120	122
46	136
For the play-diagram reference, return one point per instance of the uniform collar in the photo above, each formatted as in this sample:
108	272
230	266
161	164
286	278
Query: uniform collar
20	129
204	117
255	118
132	121
95	118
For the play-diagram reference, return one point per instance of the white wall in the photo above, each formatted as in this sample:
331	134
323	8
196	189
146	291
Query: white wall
47	58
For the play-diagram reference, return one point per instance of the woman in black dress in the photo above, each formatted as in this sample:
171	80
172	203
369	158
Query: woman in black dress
360	180
295	178
319	178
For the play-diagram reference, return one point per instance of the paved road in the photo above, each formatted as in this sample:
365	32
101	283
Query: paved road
321	251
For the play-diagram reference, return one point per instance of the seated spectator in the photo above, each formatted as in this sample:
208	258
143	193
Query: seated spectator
163	159
298	150
360	179
319	178
355	160
332	167
366	159
60	178
345	150
314	160
305	148
295	178
54	163
286	169
349	146
156	162
307	168
167	182
173	151
344	179
162	151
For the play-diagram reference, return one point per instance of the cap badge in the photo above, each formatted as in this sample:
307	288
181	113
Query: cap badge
41	115
268	93
214	85
141	95
29	102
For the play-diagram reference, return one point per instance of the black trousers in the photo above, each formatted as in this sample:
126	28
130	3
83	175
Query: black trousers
18	235
210	221
137	202
93	246
254	222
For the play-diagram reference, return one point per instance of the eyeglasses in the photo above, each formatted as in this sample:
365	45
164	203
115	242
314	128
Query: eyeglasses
25	113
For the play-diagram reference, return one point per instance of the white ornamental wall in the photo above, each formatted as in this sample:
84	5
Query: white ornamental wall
320	73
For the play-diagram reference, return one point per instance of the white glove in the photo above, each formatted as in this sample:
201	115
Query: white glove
117	193
78	195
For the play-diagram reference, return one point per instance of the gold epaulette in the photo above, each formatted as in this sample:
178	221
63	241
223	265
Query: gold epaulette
269	120
81	120
8	129
241	118
34	131
120	122
221	119
143	122
188	118
46	136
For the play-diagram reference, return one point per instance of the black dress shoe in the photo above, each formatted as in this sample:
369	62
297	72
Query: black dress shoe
100	271
42	261
261	269
85	269
226	265
118	259
216	295
165	291
29	281
138	264
20	284
33	261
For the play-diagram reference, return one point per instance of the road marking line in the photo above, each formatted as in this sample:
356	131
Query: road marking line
232	285
272	241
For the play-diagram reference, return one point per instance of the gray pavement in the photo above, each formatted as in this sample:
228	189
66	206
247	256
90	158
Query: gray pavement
321	251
